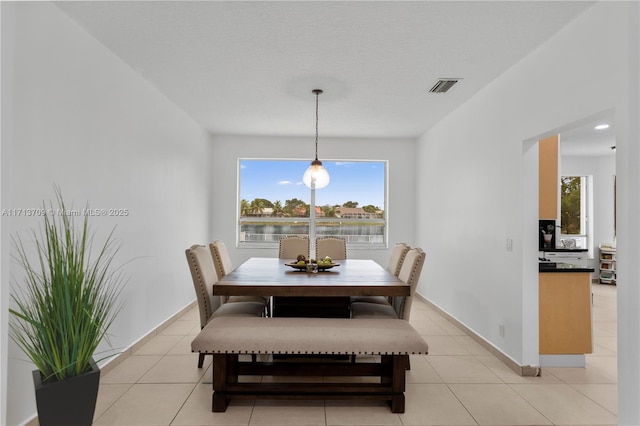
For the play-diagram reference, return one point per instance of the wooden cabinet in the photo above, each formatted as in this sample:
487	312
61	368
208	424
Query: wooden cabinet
548	181
565	313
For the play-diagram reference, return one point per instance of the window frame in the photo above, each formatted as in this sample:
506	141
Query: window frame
242	243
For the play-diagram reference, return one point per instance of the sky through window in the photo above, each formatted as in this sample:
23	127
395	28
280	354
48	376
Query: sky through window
281	180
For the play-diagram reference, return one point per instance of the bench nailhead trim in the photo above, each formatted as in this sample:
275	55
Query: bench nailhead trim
306	353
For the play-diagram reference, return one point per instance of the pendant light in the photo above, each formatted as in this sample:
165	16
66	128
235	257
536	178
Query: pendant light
316	176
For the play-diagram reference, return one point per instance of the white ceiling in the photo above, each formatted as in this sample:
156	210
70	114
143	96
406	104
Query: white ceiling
249	67
583	139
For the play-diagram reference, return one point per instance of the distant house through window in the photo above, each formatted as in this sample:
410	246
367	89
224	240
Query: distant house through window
274	203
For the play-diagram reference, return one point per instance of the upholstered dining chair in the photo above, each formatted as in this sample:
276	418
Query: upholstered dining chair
334	247
400	306
221	258
223	265
293	245
398	252
204	276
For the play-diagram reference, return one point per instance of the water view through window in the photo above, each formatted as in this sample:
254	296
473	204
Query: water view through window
273	202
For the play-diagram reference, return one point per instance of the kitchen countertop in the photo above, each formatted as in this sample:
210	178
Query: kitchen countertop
561	267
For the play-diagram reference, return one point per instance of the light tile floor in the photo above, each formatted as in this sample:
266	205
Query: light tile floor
458	383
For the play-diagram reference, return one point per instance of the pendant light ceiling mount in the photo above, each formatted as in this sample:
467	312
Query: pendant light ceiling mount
316	176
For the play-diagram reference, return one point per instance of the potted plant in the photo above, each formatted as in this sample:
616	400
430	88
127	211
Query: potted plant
62	311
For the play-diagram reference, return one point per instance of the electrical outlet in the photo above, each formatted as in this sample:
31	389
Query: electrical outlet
509	244
501	330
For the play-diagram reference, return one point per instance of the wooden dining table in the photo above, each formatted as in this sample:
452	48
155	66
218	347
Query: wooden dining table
297	292
267	276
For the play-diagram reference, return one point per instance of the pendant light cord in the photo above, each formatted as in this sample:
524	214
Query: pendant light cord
317	92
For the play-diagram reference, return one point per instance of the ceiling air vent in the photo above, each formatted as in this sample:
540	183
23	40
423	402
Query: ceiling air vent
443	85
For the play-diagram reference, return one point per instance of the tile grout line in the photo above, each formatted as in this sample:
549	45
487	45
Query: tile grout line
529	403
593	400
184	403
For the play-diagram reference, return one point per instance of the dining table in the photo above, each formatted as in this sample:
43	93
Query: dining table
296	292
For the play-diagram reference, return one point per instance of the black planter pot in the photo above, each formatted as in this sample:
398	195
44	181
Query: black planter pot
71	402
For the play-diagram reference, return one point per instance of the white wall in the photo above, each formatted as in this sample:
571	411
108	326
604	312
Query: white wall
227	150
602	169
84	120
474	160
628	206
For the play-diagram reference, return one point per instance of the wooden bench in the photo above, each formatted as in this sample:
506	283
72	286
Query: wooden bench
227	338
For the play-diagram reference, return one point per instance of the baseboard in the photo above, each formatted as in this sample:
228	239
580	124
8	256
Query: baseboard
117	359
575	361
522	370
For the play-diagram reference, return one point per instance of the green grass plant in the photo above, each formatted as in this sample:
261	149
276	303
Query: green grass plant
69	295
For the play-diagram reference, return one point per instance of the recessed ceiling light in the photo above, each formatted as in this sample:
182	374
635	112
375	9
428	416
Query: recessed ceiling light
601	126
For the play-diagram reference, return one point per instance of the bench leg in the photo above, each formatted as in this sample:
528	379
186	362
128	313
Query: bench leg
394	369
397	403
223	366
219	403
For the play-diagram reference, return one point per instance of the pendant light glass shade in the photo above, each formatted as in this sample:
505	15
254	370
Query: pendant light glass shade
316	176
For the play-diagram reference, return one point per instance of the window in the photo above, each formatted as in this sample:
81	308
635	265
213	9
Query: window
273	202
574	211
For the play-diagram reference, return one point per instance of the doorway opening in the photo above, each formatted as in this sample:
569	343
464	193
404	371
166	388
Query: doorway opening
585	153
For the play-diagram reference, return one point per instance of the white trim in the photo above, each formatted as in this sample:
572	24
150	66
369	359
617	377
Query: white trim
563	361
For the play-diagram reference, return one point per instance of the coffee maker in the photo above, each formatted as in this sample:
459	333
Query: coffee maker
546	234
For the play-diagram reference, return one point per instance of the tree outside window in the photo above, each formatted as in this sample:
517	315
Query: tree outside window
576	209
571	205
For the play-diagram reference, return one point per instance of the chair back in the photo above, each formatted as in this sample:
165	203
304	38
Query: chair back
292	245
398	253
410	274
204	278
221	258
334	247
